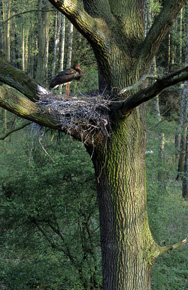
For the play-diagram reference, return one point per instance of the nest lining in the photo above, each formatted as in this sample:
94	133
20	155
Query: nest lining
85	116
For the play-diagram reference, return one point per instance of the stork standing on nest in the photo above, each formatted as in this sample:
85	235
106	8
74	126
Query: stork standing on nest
66	77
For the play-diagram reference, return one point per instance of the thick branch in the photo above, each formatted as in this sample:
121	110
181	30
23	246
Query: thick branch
146	94
82	119
87	25
19	80
100	8
160	28
26	109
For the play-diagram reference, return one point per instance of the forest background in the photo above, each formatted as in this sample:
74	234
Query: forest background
49	215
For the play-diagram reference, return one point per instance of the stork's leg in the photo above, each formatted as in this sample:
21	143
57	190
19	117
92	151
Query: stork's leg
67	90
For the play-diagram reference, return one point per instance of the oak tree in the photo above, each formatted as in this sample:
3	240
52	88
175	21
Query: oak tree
111	125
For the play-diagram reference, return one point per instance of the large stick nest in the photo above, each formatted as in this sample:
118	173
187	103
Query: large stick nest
84	117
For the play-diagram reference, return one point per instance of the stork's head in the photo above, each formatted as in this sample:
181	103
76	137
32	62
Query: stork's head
78	69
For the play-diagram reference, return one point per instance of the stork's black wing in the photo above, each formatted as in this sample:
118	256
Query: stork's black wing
63	77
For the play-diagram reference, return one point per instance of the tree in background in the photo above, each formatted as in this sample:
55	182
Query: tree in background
43	24
185	176
117	145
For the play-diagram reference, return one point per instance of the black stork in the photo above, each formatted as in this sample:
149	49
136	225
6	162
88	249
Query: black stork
66	77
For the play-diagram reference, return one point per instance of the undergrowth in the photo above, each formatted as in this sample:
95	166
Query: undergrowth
167	210
35	183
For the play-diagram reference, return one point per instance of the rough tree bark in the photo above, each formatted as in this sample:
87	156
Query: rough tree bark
115	30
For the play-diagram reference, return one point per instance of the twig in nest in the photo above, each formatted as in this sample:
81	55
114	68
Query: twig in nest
85	117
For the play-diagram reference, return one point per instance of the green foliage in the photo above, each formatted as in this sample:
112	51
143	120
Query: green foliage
166	208
170	270
48	186
155	6
36	273
49	229
88	83
49	215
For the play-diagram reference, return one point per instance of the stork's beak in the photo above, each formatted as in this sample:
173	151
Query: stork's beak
80	69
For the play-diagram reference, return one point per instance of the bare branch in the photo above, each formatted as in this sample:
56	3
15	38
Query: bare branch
15	130
90	27
146	94
50	241
134	86
173	247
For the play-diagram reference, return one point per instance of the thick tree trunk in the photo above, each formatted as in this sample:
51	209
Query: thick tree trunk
128	249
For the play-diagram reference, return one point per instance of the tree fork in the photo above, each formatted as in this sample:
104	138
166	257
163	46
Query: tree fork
128	249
